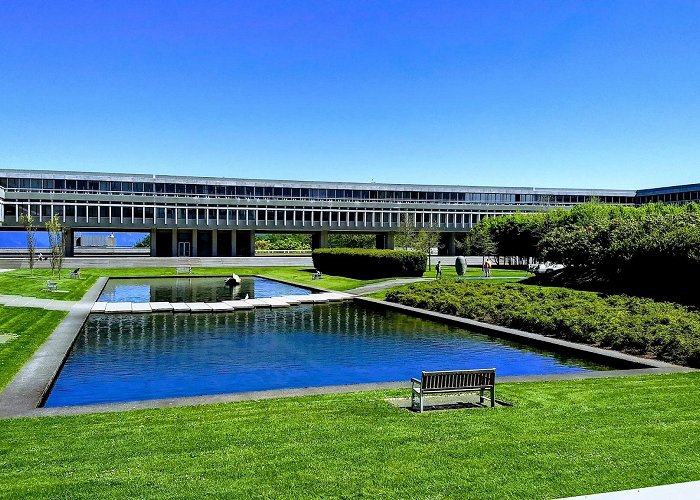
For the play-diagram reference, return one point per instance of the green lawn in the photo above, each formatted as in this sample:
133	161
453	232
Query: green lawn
21	282
560	439
475	272
31	327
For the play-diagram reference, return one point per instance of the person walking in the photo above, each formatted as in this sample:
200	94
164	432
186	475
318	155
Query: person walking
438	270
487	268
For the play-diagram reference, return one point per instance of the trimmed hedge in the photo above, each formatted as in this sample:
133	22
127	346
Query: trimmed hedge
639	326
368	263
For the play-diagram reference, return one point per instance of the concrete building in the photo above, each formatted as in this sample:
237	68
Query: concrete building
204	216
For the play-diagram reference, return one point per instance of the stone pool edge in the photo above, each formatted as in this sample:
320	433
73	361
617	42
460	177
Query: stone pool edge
607	357
34	380
22	400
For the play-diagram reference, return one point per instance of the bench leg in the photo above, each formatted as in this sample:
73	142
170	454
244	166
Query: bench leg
481	397
493	397
421	402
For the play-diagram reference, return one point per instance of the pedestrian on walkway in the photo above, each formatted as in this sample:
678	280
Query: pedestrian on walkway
438	270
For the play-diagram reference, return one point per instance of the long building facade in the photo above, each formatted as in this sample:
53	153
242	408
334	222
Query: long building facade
204	216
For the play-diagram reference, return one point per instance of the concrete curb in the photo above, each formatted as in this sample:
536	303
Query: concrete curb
604	356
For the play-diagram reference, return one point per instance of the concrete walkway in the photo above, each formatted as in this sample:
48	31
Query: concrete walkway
51	304
377	287
678	491
224	306
25	391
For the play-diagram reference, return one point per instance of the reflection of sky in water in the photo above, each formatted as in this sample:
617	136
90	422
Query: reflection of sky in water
193	289
150	356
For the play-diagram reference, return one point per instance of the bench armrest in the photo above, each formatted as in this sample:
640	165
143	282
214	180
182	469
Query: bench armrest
415	381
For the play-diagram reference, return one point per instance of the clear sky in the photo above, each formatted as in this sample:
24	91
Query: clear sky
594	93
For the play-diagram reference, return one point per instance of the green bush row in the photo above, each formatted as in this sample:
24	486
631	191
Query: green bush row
607	243
368	263
639	326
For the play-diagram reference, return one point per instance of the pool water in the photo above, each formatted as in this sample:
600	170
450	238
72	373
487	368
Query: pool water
136	357
192	289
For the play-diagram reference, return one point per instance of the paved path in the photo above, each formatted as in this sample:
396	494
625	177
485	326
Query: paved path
224	306
678	491
51	304
383	285
25	391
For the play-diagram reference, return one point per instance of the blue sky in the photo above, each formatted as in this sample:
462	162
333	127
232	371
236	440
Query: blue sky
524	93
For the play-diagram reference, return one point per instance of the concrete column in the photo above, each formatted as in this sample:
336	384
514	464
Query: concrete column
154	237
194	243
319	239
214	242
451	250
233	243
252	244
173	248
390	241
70	243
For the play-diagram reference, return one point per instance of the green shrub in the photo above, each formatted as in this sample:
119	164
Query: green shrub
635	325
368	263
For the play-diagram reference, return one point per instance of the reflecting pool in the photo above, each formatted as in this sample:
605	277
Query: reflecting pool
150	356
193	289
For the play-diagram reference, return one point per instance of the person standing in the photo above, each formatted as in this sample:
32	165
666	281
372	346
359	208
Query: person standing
487	268
438	270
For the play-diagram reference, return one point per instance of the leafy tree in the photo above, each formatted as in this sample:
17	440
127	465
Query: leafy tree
426	239
481	242
406	234
57	241
27	221
144	243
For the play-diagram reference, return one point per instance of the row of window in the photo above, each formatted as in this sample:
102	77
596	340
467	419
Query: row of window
248	192
681	197
145	214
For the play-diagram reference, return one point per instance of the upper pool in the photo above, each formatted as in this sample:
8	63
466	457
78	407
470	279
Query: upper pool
193	289
135	357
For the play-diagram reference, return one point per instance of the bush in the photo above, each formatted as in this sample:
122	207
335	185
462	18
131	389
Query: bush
639	326
368	263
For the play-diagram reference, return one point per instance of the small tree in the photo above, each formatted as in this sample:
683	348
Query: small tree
406	234
28	223
144	243
57	243
481	242
427	238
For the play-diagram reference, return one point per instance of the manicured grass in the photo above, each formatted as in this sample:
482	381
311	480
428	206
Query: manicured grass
300	275
22	282
32	327
559	439
474	272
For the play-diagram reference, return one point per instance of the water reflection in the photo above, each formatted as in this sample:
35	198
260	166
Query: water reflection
193	289
133	357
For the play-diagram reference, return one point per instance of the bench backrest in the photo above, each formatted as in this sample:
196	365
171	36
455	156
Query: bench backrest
457	379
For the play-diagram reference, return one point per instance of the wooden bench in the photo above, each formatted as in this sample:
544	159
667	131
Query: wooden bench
316	275
454	381
183	270
51	286
75	274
